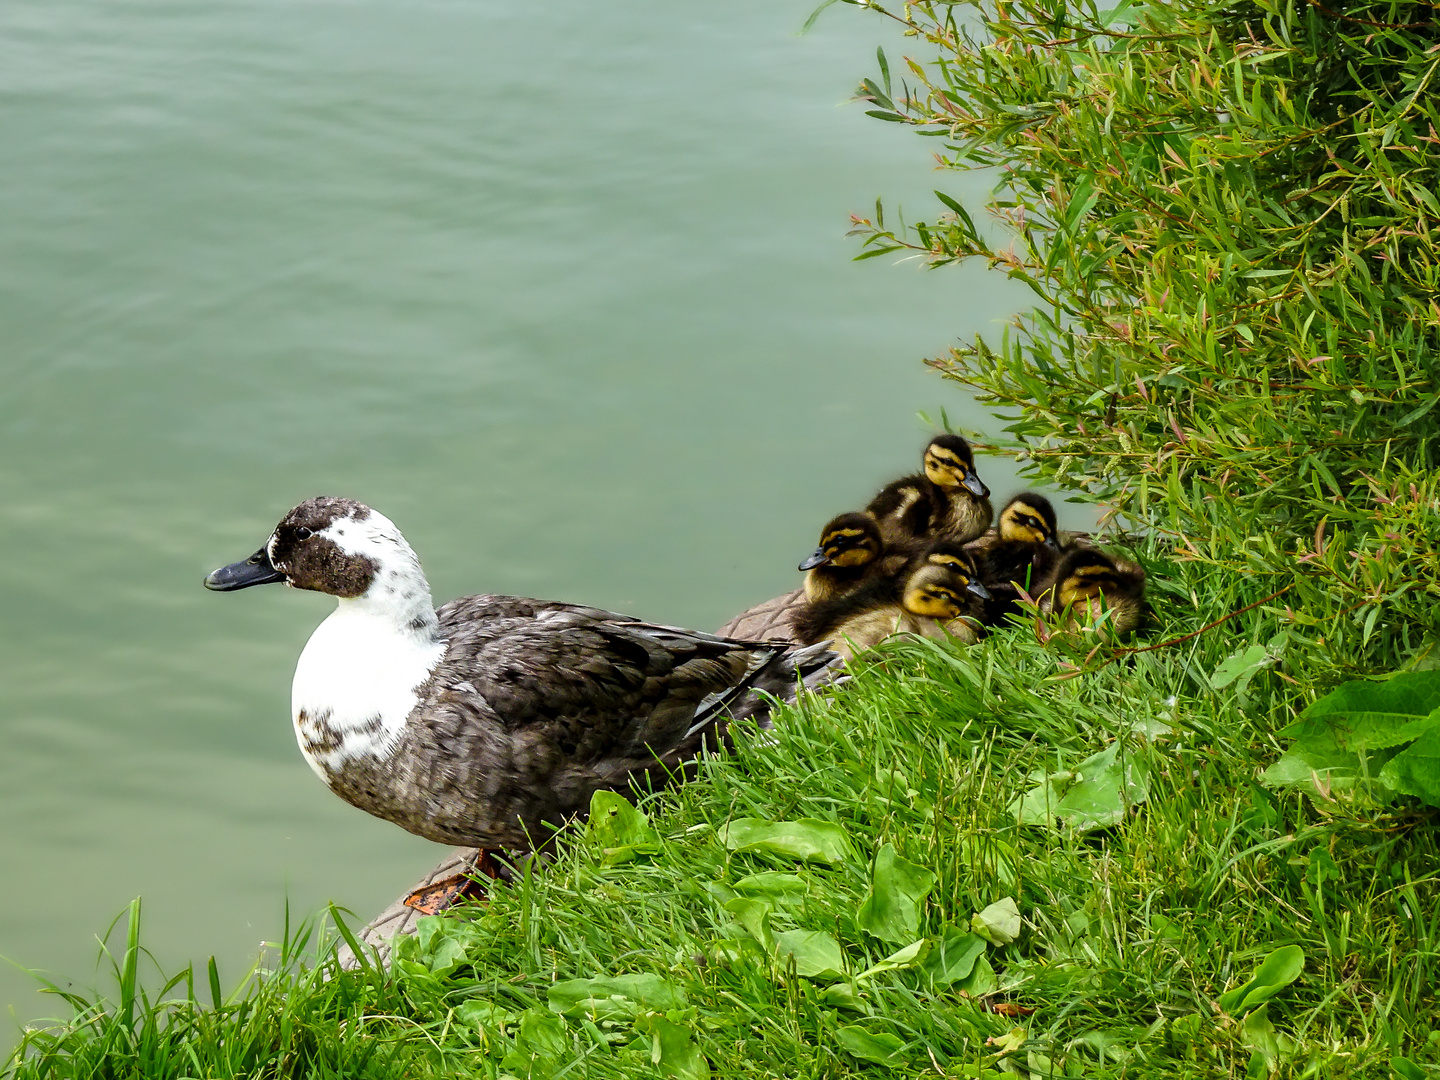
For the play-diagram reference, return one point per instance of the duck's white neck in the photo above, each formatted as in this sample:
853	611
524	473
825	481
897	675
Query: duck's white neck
356	681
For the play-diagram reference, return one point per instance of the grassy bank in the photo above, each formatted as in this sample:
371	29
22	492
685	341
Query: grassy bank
1038	856
708	941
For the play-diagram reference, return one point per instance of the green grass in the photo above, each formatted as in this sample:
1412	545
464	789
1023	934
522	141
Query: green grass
1130	932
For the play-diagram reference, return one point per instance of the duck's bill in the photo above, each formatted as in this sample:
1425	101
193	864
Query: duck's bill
976	486
1052	543
978	589
256	570
814	559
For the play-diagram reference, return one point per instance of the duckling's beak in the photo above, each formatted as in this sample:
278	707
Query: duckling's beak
1052	543
256	570
975	486
978	589
814	559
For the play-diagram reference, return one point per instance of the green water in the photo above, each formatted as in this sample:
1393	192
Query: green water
562	290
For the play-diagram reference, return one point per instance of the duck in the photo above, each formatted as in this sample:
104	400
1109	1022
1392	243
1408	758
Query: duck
491	721
851	550
939	595
1020	554
1088	583
948	500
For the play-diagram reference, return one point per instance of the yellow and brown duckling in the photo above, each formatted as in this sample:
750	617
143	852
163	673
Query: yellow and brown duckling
851	551
1092	585
1020	554
939	595
947	501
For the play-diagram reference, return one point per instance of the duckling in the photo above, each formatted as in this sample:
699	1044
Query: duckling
938	596
1020	554
490	722
1091	584
948	500
851	551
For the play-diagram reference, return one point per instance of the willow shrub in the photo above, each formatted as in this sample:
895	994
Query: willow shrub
1230	216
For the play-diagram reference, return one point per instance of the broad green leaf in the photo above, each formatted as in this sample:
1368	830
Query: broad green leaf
754	916
816	954
540	1042
620	997
982	979
672	1050
1416	769
884	1049
773	885
1094	795
484	1015
1374	715
1316	754
443	944
1406	1069
1258	1033
1409	694
904	958
621	831
891	909
1245	662
809	839
1040	1064
952	957
990	858
1276	971
999	923
842	995
739	953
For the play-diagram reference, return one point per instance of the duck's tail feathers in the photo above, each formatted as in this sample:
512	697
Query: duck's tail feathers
781	673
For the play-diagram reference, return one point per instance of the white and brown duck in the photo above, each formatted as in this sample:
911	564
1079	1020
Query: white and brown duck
491	721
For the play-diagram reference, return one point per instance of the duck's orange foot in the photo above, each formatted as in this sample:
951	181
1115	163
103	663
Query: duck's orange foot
444	894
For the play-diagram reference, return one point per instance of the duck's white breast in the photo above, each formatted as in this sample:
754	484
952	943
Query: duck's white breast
354	686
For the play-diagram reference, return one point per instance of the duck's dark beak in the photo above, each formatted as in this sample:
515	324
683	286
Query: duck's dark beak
978	589
1052	543
814	559
256	570
975	486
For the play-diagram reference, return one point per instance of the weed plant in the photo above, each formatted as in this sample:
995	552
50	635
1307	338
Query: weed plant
1229	215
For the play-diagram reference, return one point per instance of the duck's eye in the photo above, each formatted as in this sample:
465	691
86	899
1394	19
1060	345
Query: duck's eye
302	533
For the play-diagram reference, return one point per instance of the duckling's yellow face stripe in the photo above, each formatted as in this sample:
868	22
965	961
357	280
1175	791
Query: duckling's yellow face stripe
1087	583
1018	523
951	562
935	601
848	547
944	467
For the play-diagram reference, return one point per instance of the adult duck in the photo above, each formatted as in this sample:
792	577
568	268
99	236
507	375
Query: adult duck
491	722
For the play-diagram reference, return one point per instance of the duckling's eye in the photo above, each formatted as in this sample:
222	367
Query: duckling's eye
302	533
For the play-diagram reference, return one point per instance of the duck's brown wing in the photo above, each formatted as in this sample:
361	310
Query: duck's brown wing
593	681
537	705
